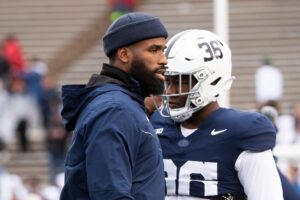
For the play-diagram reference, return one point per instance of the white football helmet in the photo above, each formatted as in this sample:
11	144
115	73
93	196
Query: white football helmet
204	57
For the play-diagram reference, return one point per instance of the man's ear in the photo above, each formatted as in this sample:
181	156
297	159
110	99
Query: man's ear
124	55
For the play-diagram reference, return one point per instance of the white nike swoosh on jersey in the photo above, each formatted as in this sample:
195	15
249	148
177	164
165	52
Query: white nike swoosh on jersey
214	132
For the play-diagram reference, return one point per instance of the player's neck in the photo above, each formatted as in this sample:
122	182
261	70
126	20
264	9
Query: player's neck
198	117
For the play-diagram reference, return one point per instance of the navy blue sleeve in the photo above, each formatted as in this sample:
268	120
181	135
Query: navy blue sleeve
109	151
259	135
289	191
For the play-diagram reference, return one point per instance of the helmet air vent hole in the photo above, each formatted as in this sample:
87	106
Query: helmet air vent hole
215	82
198	100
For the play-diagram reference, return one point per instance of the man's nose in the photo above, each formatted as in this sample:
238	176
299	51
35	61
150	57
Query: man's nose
163	59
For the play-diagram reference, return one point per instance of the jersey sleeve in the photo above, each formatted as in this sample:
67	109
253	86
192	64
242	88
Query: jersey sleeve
259	135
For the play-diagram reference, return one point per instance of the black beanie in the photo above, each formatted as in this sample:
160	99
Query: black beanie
131	28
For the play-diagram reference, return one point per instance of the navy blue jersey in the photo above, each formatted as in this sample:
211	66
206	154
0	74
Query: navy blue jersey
202	164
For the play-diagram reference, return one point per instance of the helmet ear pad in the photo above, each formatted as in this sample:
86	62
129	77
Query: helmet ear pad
207	58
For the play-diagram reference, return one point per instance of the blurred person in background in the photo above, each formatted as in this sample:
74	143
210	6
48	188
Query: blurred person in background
18	114
11	186
121	7
12	51
19	108
296	113
294	175
5	75
268	83
34	86
288	179
57	136
40	86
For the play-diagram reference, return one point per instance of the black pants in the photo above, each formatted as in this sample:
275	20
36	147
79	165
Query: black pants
22	134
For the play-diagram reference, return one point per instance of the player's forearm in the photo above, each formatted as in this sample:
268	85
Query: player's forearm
259	176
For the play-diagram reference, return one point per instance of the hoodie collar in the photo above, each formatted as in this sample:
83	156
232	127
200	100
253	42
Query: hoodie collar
112	74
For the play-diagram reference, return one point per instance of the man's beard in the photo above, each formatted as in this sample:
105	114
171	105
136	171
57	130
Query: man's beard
146	77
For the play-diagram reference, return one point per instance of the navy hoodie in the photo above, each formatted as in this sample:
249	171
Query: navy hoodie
114	152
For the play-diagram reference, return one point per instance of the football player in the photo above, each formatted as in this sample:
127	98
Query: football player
211	152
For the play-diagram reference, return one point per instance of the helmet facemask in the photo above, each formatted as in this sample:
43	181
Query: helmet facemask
195	98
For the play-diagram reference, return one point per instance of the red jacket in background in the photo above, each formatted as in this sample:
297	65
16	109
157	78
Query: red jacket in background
12	51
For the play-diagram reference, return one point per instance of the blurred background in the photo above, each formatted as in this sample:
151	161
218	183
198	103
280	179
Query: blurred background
45	44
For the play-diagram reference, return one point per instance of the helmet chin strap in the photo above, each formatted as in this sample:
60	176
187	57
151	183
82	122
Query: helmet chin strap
177	115
181	116
164	110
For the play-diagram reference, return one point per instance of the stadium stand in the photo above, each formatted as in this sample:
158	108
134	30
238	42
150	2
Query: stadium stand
257	29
